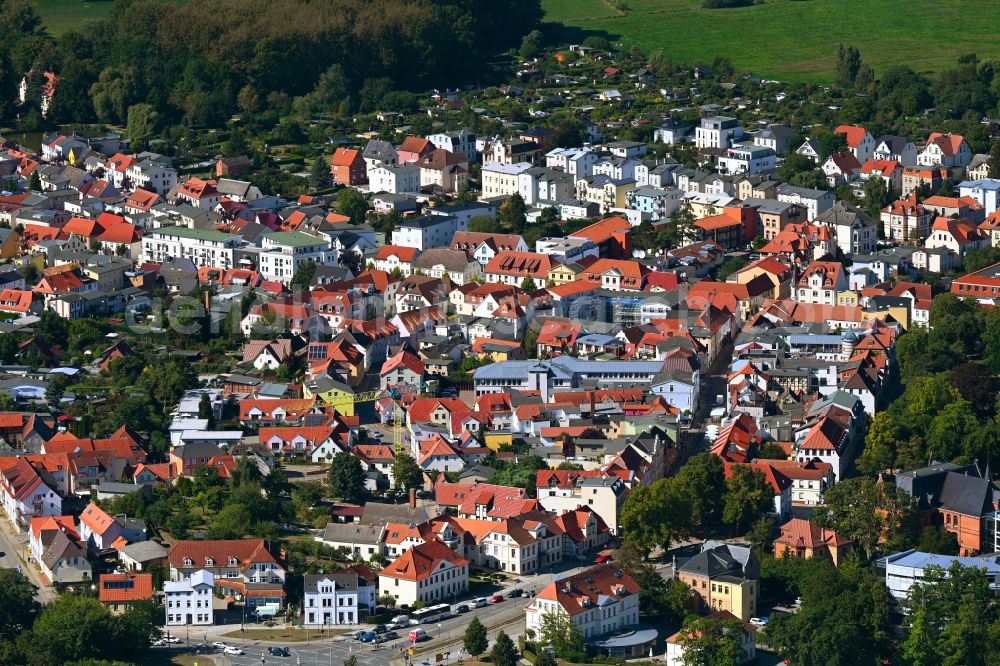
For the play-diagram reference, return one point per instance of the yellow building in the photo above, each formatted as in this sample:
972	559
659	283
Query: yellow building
724	578
332	392
562	274
847	298
899	313
494	440
603	191
8	243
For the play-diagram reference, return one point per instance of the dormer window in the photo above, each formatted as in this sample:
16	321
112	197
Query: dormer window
233	561
209	562
188	562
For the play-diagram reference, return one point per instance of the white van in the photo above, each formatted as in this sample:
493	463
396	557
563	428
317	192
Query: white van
401	619
481	602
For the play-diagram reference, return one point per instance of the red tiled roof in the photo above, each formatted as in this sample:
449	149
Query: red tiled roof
402	252
419	562
798	532
63	523
246	551
854	135
196	188
603	230
563	478
344	157
96	519
413	144
125	587
521	264
950	144
403	358
422	408
16	300
582	592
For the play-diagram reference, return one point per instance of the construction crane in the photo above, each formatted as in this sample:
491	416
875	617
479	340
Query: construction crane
396	393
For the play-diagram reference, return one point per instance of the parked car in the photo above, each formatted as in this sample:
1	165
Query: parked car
387	636
758	621
529	593
480	602
159	642
367	636
496	598
220	645
380	629
396	625
401	619
232	649
417	635
278	652
462	608
513	594
171	639
601	559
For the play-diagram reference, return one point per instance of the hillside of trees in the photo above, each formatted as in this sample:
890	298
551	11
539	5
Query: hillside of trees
205	60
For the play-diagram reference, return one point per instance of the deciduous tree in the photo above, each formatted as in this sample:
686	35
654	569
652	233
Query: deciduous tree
347	478
406	473
475	642
747	496
709	642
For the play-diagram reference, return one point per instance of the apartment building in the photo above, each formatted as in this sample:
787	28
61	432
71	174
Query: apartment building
598	601
340	598
203	247
189	601
430	572
566	490
282	252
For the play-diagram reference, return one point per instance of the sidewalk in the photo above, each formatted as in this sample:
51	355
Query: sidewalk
15	545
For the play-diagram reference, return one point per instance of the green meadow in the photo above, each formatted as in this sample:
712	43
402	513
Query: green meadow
794	39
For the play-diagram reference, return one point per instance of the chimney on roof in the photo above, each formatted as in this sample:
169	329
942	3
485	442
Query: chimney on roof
413	498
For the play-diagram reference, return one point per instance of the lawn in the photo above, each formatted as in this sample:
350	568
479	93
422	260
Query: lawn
58	16
794	39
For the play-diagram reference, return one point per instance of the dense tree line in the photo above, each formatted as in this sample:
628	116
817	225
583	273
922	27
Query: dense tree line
72	629
207	59
698	496
947	410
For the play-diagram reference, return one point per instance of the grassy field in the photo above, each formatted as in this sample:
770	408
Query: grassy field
58	16
794	39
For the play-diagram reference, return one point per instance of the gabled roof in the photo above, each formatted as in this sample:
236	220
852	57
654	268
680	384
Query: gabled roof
950	144
421	409
344	157
421	561
854	135
401	252
96	519
403	359
246	552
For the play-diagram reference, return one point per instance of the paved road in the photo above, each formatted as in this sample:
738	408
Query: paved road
13	545
446	636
